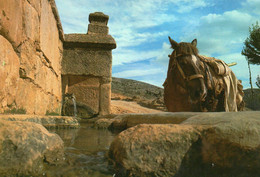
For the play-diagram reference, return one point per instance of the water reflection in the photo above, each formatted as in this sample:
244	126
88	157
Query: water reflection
85	150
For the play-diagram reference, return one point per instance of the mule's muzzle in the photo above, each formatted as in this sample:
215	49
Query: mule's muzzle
199	94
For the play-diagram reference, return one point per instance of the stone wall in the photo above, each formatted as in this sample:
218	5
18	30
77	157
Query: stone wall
87	67
31	46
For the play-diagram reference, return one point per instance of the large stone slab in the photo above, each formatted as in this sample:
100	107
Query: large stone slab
26	148
205	144
34	66
35	100
11	20
31	21
46	121
87	92
82	61
232	140
152	150
105	99
49	36
9	74
124	121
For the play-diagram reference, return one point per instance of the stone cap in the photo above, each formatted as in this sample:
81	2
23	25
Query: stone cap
98	23
89	41
98	17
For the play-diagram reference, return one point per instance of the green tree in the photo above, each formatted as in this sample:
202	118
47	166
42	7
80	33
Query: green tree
258	81
251	48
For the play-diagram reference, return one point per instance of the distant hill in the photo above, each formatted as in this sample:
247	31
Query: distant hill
132	88
145	94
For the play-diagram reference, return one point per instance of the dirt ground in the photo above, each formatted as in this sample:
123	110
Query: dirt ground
123	107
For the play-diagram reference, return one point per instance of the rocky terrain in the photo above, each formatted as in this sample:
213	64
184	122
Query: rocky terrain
144	94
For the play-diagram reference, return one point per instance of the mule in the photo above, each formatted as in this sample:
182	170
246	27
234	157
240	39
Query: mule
193	84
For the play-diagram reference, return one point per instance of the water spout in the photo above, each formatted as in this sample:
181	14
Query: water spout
74	104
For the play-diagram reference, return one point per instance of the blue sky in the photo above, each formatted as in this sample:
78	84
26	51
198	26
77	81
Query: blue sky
141	29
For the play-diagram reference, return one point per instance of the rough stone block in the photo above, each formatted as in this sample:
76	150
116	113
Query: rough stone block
105	97
47	79
36	4
54	104
41	101
11	23
86	91
28	59
26	96
87	62
97	28
35	67
98	18
9	73
31	22
49	36
35	100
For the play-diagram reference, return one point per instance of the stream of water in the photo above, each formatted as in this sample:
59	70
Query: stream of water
86	152
74	105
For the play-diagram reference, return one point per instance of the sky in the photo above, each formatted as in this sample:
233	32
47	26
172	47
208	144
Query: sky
141	29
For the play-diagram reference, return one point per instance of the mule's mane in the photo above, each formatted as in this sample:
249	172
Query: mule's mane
185	48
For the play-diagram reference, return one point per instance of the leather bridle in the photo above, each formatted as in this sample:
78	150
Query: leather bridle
187	78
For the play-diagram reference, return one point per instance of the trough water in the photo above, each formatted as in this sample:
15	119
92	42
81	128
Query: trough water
86	151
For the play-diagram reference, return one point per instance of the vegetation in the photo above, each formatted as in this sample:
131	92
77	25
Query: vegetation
258	81
251	49
252	102
52	113
15	111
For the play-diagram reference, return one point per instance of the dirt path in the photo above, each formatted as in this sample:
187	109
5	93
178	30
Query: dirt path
123	107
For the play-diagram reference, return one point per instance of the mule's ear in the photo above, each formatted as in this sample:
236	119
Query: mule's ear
194	42
173	43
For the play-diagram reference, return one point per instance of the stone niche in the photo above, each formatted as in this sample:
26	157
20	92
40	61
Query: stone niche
31	45
87	69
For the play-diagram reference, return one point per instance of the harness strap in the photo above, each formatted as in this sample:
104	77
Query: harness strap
195	76
181	71
188	78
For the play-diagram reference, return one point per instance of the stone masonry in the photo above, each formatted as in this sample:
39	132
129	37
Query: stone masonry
31	45
87	67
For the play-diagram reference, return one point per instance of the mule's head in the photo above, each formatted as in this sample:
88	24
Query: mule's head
189	69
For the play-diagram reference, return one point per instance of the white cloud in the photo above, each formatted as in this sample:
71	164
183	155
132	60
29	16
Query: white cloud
163	58
252	6
129	37
159	56
184	6
138	72
125	56
221	33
